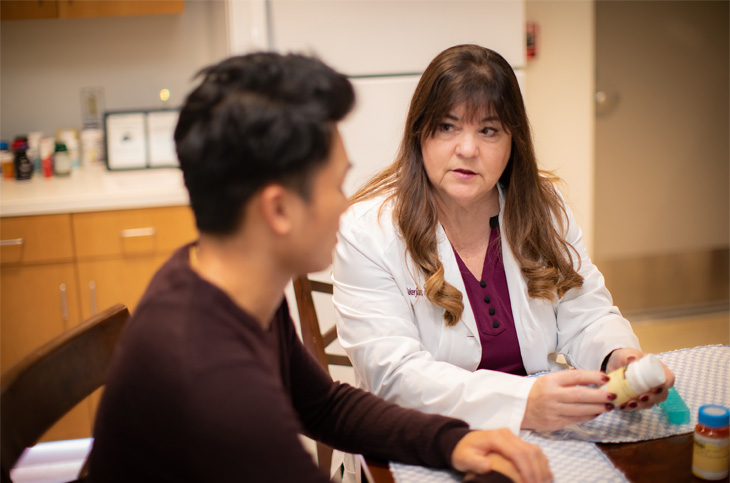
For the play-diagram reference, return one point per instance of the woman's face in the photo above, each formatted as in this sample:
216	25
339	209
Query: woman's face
464	159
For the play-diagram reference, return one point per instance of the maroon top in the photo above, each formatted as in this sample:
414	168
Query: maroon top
489	299
198	391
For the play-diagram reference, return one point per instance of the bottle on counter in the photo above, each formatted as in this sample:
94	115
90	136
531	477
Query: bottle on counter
7	161
61	160
710	457
23	164
70	137
48	146
34	149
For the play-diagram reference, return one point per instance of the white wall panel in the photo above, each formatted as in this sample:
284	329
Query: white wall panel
374	37
373	130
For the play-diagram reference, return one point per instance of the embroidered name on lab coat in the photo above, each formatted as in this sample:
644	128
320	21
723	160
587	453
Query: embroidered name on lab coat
415	292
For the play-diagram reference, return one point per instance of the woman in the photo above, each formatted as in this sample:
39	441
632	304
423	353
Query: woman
460	268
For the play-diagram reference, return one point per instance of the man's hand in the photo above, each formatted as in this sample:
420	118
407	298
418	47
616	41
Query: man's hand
562	398
519	460
620	358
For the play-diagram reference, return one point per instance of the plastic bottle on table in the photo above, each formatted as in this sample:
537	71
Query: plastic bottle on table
710	457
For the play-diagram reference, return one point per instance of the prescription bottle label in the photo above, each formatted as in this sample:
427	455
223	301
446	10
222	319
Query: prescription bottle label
618	385
710	458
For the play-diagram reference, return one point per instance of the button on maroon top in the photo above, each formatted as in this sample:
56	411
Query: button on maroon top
490	302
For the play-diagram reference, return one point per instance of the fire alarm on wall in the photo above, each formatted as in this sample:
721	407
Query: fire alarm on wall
531	31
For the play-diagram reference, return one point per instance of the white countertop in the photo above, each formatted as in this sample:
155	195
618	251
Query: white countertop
93	189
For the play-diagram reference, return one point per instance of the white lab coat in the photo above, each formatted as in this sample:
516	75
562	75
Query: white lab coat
403	352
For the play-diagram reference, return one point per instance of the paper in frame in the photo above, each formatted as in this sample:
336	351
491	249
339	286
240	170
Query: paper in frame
126	140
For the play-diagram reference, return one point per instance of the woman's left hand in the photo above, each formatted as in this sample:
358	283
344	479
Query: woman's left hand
620	358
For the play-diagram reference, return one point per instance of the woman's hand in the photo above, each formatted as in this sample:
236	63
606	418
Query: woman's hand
562	398
620	358
500	450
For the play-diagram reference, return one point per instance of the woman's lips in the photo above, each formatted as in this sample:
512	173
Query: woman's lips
464	173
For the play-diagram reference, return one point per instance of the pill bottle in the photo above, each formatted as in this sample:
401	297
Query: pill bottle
23	164
7	160
710	455
61	160
636	378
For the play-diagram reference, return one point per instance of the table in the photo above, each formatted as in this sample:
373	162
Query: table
665	459
641	445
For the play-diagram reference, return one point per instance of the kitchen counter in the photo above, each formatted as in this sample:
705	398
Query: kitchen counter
93	189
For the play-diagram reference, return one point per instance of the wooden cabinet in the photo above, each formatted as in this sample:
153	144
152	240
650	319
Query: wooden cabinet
118	252
58	270
39	297
34	9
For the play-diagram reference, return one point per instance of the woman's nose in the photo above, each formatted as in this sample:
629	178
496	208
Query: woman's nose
466	146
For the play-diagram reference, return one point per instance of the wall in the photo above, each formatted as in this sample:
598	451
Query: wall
44	63
662	153
559	97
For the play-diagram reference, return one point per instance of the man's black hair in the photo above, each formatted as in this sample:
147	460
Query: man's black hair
255	120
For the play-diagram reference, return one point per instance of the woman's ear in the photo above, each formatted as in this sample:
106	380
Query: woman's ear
278	208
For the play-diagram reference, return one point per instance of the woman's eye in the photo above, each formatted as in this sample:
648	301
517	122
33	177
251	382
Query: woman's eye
446	127
489	131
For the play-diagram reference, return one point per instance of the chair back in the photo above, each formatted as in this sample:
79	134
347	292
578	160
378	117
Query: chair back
316	341
45	385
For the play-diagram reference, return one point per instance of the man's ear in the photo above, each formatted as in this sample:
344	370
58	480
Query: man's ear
278	208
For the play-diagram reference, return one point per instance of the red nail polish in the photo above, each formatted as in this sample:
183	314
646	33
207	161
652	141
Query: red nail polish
644	398
605	378
609	406
611	396
632	405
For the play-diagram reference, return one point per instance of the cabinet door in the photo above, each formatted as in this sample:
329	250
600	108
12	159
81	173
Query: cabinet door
23	9
108	8
38	303
120	280
36	239
132	232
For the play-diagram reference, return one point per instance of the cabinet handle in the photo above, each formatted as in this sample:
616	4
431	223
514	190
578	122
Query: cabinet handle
92	296
13	242
64	302
138	232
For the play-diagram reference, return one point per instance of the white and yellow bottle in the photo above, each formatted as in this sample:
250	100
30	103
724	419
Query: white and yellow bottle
636	378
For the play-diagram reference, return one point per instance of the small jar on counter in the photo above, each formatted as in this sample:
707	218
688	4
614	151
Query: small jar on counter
710	457
61	160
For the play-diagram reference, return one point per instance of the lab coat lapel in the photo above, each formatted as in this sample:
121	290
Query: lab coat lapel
452	275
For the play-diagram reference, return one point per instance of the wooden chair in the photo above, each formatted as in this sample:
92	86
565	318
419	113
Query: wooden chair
317	342
41	388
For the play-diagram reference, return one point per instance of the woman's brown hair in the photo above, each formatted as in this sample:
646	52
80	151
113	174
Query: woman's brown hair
534	218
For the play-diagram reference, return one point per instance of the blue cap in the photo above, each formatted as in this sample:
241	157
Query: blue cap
714	416
4	145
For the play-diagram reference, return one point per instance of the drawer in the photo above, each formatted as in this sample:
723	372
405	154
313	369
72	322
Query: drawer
30	239
132	232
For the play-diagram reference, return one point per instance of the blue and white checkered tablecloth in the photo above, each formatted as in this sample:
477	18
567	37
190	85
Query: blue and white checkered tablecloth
702	377
570	461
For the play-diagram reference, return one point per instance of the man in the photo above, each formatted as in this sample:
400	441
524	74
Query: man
210	381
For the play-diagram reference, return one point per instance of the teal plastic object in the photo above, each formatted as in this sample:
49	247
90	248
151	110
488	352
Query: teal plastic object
675	408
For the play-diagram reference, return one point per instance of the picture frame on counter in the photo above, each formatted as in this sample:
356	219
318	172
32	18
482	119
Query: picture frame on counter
140	139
